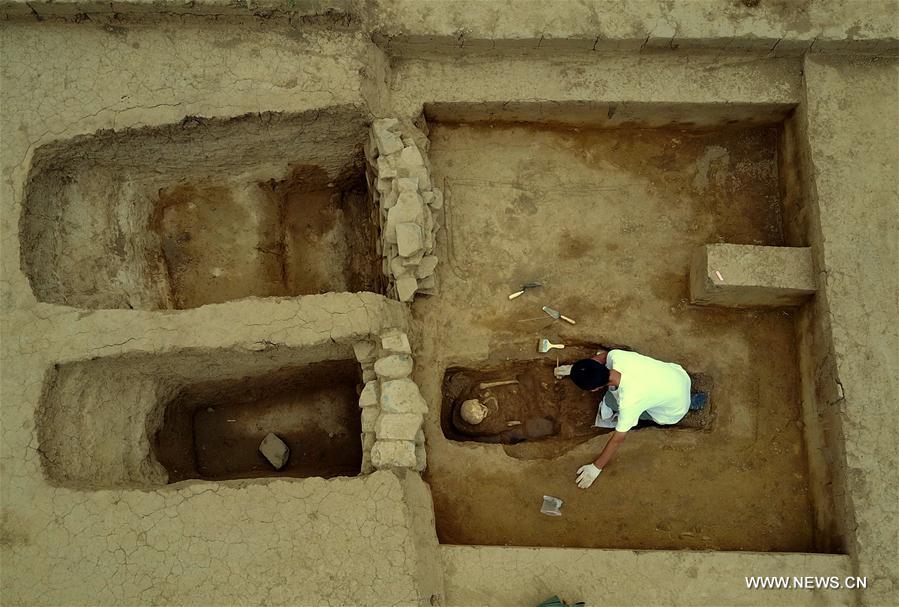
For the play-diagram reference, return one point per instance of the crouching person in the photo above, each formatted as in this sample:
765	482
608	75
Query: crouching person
639	388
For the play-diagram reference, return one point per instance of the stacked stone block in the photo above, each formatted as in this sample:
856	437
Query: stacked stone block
399	179
392	406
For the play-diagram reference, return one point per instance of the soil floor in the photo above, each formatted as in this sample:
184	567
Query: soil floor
223	243
608	221
213	431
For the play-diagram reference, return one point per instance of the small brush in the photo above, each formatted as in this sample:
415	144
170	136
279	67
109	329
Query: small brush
544	346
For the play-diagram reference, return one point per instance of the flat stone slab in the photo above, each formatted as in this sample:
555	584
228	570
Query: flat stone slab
406	287
396	341
369	418
365	351
411	156
393	454
427	266
744	276
275	450
402	396
395	366
388	142
408	238
369	395
398	426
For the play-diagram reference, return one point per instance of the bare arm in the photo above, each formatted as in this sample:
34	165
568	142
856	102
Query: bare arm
610	449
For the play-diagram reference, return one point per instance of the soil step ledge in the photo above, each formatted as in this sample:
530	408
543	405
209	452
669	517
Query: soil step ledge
743	276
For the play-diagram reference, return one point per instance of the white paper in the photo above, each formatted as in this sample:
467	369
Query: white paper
551	505
605	417
562	371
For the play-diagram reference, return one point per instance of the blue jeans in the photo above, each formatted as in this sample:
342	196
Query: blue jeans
612	403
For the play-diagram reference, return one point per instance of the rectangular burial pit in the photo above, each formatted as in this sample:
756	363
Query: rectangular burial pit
144	420
205	211
698	484
608	219
533	414
213	430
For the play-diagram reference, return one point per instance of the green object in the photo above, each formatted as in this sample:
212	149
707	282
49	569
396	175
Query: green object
555	601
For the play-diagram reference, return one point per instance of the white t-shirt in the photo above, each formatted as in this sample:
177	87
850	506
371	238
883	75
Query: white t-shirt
648	385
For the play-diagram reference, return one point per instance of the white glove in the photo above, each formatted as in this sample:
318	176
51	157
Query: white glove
563	371
586	475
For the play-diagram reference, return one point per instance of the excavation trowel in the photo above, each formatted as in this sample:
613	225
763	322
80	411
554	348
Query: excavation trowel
525	287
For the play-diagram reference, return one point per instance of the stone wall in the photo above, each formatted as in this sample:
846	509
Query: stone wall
399	180
392	406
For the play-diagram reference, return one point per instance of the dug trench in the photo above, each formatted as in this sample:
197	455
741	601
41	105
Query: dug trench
608	220
533	414
212	430
301	235
203	211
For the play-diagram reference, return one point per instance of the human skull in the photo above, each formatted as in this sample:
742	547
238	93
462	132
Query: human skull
473	412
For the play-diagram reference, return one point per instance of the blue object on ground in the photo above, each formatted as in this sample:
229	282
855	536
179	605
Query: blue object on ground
698	401
555	601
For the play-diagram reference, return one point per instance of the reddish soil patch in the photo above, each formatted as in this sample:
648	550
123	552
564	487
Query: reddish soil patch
298	236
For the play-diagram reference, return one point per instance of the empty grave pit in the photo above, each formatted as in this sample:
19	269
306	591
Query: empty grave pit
204	211
213	430
141	421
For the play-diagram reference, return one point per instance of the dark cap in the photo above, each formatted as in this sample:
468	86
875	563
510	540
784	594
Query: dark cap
589	374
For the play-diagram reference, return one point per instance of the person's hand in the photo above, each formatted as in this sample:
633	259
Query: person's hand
563	371
586	475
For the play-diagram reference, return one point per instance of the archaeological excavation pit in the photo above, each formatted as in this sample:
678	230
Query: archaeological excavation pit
205	211
150	420
212	431
224	221
534	415
607	217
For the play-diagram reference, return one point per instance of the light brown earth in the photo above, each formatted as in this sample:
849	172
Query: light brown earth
268	205
73	69
608	220
221	243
